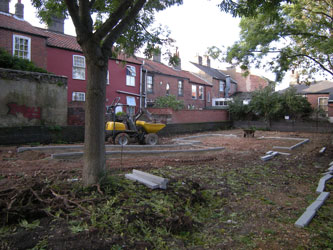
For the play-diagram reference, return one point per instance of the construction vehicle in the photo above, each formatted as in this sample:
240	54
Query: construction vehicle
125	128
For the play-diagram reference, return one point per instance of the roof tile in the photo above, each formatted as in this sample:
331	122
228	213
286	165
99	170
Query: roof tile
11	22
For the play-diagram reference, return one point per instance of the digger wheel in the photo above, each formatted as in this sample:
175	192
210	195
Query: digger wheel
151	139
122	139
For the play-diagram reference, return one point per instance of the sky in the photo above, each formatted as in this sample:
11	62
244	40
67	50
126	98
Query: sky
195	25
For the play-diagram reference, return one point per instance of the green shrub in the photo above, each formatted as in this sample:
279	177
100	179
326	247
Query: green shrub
169	101
12	62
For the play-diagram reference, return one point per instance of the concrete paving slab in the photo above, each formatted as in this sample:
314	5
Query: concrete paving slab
323	196
305	218
162	182
315	205
77	155
322	182
76	147
322	150
299	144
147	183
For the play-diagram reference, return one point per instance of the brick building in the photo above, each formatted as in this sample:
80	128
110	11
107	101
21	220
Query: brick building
60	54
223	86
319	94
162	80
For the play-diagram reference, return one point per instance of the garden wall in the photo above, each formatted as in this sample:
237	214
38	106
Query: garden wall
32	99
169	116
289	126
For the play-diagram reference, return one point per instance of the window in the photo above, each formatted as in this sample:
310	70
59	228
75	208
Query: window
208	96
79	67
22	47
130	75
108	78
167	89
323	104
180	88
150	84
131	105
201	92
78	96
221	86
221	102
194	91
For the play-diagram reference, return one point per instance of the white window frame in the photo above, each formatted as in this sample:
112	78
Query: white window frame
202	91
221	86
79	69
208	96
28	56
325	108
78	96
167	89
194	91
130	100
180	88
130	75
150	82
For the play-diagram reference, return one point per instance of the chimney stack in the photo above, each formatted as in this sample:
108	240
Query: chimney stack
200	60
179	64
157	56
207	61
4	6
57	24
19	9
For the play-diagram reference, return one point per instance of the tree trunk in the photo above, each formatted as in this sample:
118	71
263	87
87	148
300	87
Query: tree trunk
94	138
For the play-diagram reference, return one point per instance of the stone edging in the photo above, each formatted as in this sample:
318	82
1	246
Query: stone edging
311	210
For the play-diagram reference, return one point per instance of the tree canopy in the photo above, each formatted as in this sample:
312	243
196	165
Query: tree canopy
269	105
104	27
282	35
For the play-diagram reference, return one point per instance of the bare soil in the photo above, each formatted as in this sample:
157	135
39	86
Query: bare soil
256	206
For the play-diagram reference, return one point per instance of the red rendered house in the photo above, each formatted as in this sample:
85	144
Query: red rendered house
60	54
65	58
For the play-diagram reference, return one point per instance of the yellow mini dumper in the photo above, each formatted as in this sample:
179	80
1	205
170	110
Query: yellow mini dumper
122	130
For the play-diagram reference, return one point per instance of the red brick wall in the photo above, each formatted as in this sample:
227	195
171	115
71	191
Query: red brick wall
38	46
159	89
313	99
193	116
75	114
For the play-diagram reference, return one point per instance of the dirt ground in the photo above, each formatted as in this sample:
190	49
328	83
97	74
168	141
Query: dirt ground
257	198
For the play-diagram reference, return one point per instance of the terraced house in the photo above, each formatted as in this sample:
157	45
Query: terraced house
162	80
60	54
137	81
